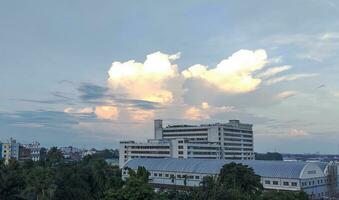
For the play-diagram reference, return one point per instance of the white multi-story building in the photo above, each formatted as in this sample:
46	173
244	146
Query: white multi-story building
233	140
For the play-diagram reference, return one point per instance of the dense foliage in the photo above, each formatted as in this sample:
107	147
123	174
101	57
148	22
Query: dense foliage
92	178
268	156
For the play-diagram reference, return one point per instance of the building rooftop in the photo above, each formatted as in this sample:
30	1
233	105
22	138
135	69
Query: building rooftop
275	169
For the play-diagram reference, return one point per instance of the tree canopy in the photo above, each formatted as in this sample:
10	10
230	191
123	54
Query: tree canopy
55	178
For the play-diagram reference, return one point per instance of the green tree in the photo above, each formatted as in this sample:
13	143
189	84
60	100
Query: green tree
284	195
241	177
136	187
235	182
54	157
11	181
39	183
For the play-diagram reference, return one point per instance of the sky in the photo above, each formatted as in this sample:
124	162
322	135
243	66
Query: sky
91	73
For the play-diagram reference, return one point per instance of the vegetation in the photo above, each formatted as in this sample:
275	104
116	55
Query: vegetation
92	178
107	154
268	156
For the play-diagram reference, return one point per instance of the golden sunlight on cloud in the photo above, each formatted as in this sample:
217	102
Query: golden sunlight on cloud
141	115
297	132
285	95
194	113
146	81
205	105
234	74
205	111
107	112
85	110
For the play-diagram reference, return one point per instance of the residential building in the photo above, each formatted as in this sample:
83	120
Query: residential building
232	140
14	149
318	180
35	150
6	152
24	153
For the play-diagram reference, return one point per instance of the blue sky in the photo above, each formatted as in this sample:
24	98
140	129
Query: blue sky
90	73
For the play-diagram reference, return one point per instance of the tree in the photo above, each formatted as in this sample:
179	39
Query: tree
136	187
241	177
54	156
235	182
39	183
284	195
11	181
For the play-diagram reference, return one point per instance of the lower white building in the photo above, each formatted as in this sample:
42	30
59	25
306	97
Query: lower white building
175	148
318	180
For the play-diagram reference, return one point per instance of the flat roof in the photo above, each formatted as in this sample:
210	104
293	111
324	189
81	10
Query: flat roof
274	169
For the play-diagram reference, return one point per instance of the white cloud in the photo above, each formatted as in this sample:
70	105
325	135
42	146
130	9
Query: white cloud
292	77
146	81
273	71
317	47
234	74
285	95
297	133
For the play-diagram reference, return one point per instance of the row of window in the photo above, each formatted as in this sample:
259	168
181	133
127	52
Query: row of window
285	183
238	149
237	144
178	176
184	135
184	130
313	182
237	130
150	152
148	147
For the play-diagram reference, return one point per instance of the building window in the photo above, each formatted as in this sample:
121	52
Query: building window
178	176
275	183
181	152
166	175
197	177
155	174
180	147
160	175
267	182
286	183
294	183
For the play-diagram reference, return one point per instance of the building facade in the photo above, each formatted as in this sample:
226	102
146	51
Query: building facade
14	149
232	140
318	180
6	152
